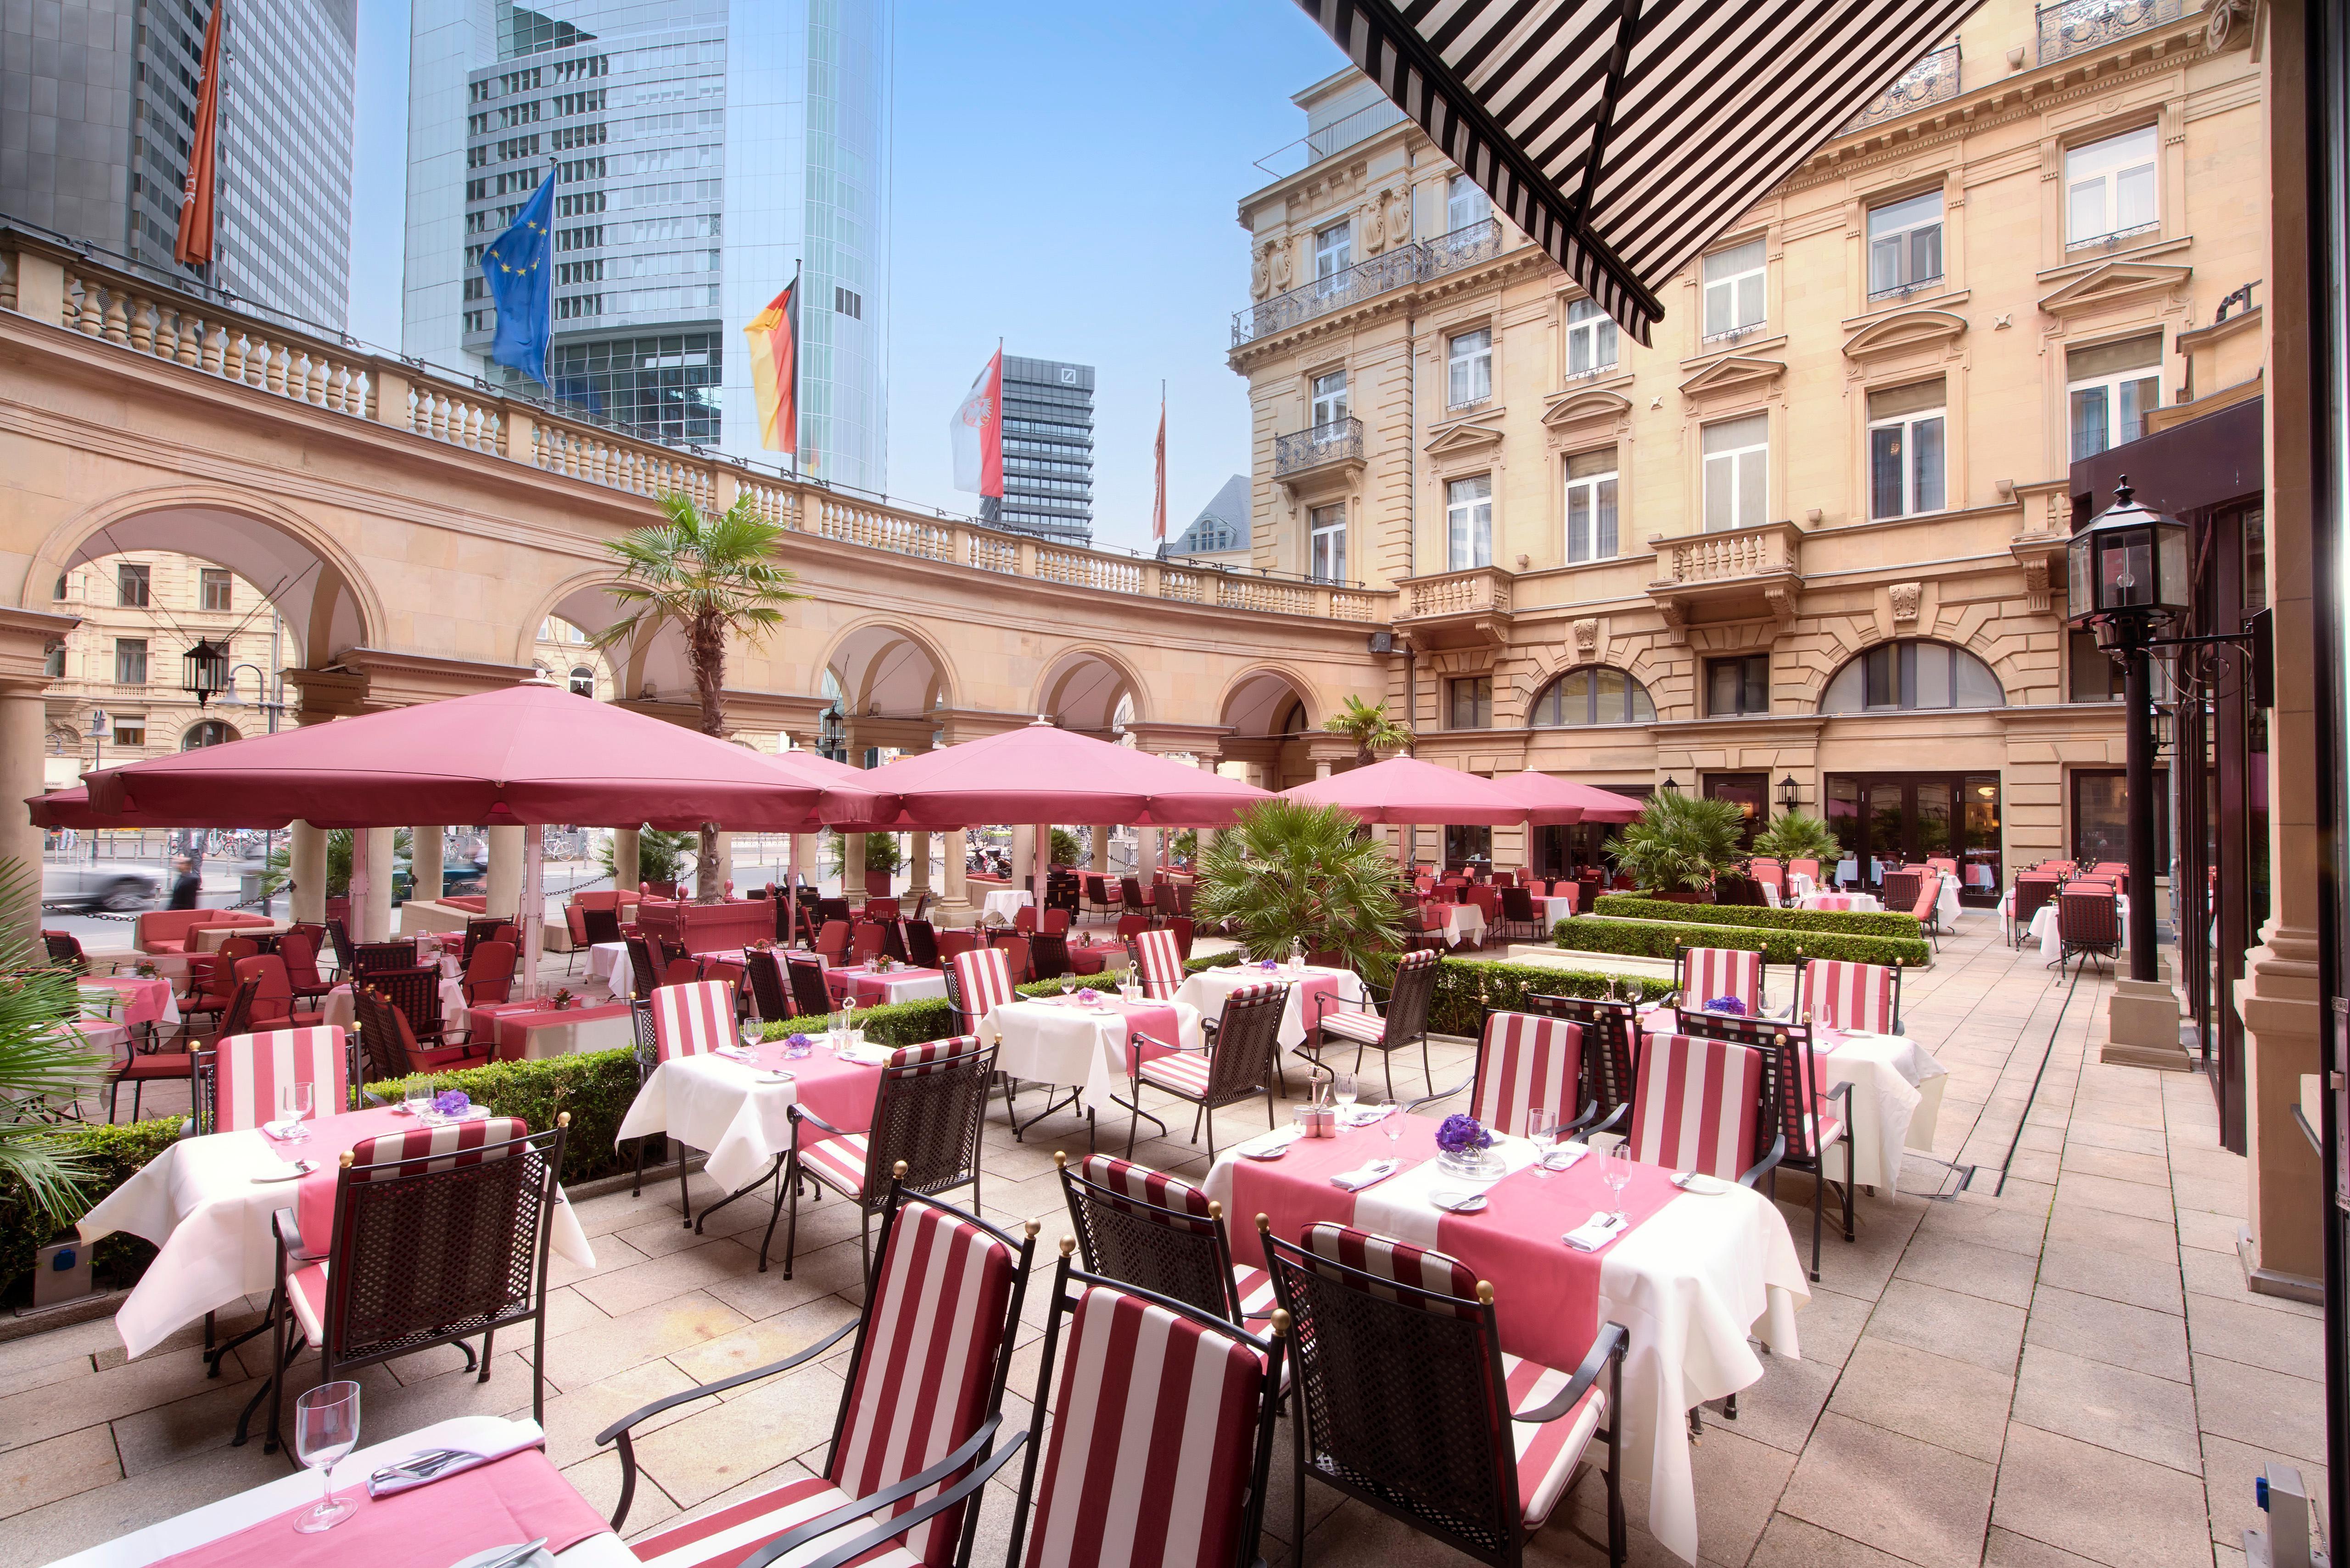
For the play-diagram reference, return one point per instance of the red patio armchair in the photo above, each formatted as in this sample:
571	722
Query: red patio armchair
489	974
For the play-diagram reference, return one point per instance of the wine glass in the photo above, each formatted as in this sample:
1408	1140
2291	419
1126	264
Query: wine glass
418	1097
1068	984
325	1430
1617	1171
294	1101
1391	1124
1342	1090
1543	1136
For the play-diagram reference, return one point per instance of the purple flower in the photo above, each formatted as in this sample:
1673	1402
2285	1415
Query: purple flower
1729	1005
796	1039
1463	1135
1089	996
451	1102
1269	965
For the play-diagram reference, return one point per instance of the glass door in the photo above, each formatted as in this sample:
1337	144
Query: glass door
1751	793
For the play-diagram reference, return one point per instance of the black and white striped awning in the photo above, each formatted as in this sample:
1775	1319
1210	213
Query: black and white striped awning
1624	136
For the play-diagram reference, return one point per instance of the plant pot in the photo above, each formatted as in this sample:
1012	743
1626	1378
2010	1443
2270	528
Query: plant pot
877	884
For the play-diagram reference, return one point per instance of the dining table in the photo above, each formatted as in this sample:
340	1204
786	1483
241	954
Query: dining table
734	1104
1459	922
869	987
206	1203
1693	1277
1066	1040
337	1009
2044	928
1314	990
1556	906
1854	903
129	1000
531	1031
518	1497
1006	901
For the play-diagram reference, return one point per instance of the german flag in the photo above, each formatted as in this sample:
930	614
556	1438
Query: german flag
774	338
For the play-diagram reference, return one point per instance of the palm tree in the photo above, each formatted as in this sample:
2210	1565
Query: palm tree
1679	842
1286	871
36	1059
713	578
1795	836
1369	724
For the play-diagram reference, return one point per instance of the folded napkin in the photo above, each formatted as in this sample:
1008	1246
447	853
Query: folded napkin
1563	1156
865	1056
390	1480
1370	1174
1361	1116
1595	1232
737	1052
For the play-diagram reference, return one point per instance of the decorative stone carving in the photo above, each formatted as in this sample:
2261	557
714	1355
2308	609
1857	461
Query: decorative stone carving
1587	639
1371	226
1398	205
1905	598
1261	272
2036	583
1280	250
1780	598
1676	618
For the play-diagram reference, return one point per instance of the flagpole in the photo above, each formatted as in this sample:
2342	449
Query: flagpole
799	303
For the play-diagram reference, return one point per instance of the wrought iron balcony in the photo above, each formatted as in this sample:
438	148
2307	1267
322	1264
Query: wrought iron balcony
1932	79
1337	440
2071	26
1462	248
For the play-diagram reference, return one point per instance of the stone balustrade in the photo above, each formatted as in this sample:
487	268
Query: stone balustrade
1692	559
57	285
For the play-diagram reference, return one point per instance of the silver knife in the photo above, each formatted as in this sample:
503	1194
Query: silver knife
520	1554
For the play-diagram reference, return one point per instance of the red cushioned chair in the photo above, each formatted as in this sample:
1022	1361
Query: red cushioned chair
389	1044
1526	1060
489	974
273	1000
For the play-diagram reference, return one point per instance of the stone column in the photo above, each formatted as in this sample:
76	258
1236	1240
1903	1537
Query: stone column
306	865
958	891
371	915
2282	1250
726	863
803	854
424	859
503	884
1101	849
1024	855
919	879
21	722
625	841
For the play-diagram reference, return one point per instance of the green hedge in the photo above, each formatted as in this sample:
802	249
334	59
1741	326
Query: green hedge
1467	989
911	1022
1845	922
110	1155
1658	939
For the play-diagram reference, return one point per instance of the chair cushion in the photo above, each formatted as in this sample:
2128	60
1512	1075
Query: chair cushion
1548	1452
1122	1179
154	1064
306	1291
1368	1027
839	1160
1255	1287
1181	1073
448	1056
730	1535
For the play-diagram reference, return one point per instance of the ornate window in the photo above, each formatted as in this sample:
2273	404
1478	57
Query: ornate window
210	733
1894	677
1595	694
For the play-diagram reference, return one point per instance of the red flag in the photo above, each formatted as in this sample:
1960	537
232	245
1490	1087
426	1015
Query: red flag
977	432
1158	506
194	245
774	338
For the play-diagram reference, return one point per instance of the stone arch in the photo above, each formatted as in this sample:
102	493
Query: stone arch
316	584
1255	699
887	668
585	601
1815	687
1082	685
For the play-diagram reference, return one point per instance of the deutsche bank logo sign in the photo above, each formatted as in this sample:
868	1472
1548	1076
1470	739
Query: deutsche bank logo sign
1068	375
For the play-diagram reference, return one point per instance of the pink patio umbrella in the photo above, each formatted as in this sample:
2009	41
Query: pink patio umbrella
1406	790
1042	773
1559	802
71	808
526	756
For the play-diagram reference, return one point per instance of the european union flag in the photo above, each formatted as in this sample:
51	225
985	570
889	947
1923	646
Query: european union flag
521	284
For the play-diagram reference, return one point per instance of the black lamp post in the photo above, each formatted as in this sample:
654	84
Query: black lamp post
1789	793
204	670
98	720
2126	578
1671	785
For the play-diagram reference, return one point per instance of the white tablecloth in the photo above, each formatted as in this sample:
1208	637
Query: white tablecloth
1856	903
1554	910
1206	989
1461	923
199	1203
1799	886
337	1009
609	961
1946	904
2042	928
726	1108
1896	1097
1689	1284
182	1532
1847	871
1048	1043
100	999
1006	901
902	985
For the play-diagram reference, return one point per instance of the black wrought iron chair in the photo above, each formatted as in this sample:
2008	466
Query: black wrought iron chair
1810	1121
1519	915
927	1113
602	926
339	946
2088	923
1402	1018
421	1249
1149	1229
648	1056
1405	1401
922	943
1611	1036
65	951
1235	1063
415	990
644	969
370	959
2031	893
811	996
478	931
769	992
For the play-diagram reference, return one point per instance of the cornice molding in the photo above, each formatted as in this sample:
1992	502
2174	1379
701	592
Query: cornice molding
1899	333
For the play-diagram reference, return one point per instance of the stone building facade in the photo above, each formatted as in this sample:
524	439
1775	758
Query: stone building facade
1807	545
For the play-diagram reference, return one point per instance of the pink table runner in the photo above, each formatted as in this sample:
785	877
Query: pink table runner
143	1000
313	1195
1547	1293
842	1093
520	1498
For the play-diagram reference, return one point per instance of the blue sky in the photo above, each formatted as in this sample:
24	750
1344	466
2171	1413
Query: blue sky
1066	178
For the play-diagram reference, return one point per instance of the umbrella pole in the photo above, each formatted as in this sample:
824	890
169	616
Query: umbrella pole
533	912
791	890
361	881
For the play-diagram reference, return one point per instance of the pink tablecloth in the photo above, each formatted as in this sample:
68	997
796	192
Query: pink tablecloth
1865	903
143	1000
520	1498
513	1024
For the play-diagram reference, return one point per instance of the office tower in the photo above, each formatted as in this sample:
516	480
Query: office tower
700	149
1048	450
97	102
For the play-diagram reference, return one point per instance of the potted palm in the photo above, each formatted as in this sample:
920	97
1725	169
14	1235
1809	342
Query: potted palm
1286	872
42	1062
1793	835
1679	845
1373	731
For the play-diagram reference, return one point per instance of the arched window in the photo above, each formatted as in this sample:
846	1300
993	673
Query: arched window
1595	694
583	681
1894	677
211	732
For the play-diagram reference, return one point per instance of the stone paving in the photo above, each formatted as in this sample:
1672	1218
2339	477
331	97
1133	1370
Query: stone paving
2067	1370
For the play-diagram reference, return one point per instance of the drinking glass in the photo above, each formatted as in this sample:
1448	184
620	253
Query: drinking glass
1069	983
294	1101
1392	1122
1617	1173
325	1430
1540	1133
1343	1091
418	1097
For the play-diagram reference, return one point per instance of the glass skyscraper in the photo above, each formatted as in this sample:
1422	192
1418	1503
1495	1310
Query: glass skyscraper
700	149
1048	450
98	105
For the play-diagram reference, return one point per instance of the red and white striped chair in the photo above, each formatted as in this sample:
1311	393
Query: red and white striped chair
1699	1105
921	1403
237	1079
692	1019
1702	974
929	1109
1158	963
430	1236
978	982
1376	1449
1524	1061
1152	1230
1837	994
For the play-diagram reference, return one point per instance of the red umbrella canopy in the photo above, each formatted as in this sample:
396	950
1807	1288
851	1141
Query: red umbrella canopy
1556	802
1405	790
517	756
1045	773
71	808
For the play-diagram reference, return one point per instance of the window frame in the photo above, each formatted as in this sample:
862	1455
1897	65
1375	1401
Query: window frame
221	577
1737	455
1326	527
2110	384
129	730
1460	188
127	573
1327	406
1480	696
122	652
1460	365
1747	665
2107	176
1594	327
1590	484
1636	693
1325	247
1906	238
1759	272
2082	653
1461	523
1908	485
1899	655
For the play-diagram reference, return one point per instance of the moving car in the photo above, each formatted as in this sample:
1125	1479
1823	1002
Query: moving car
104	885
